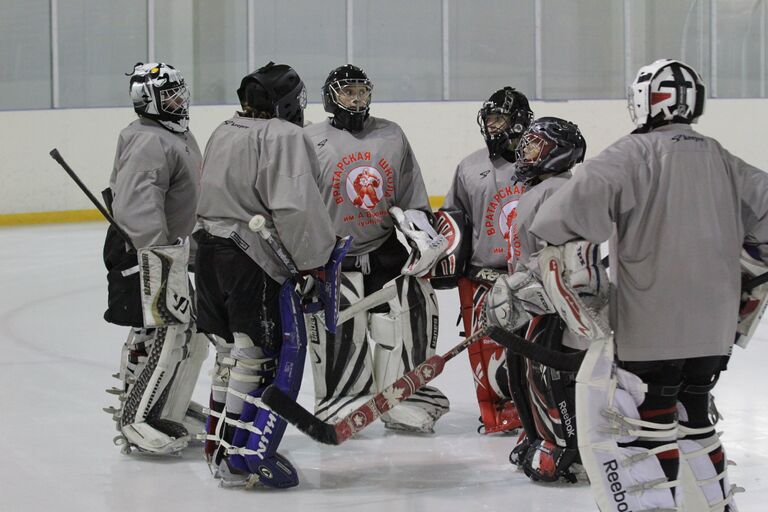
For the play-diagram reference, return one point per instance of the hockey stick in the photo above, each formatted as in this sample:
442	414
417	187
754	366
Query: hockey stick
57	156
357	420
257	224
754	282
557	360
371	301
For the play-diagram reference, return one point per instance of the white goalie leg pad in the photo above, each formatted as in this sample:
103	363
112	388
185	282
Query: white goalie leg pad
165	297
341	364
705	487
404	338
622	478
179	406
150	363
577	285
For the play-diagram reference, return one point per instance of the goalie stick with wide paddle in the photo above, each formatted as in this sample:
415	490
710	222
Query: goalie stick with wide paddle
360	418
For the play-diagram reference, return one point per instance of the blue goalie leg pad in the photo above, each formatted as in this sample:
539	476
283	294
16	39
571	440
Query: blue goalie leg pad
271	468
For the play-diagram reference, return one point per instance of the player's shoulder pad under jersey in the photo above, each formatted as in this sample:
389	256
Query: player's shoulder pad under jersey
455	226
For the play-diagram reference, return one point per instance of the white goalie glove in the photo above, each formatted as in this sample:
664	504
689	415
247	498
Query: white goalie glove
427	246
577	285
514	300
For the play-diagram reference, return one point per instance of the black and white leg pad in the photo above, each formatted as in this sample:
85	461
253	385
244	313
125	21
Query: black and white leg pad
403	338
150	360
622	477
341	363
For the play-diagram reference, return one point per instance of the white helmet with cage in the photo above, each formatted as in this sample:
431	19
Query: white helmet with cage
159	92
666	91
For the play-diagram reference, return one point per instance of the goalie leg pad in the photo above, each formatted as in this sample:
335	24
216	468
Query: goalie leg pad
253	371
179	405
703	464
150	360
402	339
218	396
486	358
341	363
550	421
270	468
624	474
253	432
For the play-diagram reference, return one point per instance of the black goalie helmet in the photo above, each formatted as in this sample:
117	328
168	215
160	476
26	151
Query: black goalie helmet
550	146
275	90
503	119
158	92
347	96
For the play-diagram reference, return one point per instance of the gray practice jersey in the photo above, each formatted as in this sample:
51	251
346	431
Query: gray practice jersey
523	244
155	182
257	166
364	174
486	191
682	206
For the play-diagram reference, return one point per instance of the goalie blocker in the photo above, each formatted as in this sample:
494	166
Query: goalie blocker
161	359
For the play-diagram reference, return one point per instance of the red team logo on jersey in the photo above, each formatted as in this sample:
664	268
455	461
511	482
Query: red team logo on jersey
365	187
508	216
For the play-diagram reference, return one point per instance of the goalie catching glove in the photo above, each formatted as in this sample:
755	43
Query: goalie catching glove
514	299
426	245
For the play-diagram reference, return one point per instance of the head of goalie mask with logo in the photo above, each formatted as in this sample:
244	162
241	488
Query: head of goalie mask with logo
158	92
664	92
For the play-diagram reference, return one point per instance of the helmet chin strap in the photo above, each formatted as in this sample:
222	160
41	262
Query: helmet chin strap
508	150
352	122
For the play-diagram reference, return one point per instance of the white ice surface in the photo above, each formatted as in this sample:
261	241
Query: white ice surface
56	452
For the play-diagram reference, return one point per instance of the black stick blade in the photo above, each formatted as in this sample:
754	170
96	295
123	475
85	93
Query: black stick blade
558	360
298	416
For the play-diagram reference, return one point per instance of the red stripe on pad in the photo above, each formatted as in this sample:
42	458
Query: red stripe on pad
653	413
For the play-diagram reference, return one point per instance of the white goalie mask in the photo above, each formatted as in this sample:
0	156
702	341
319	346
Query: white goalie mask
158	91
666	91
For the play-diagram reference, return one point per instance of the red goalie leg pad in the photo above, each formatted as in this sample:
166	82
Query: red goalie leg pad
497	412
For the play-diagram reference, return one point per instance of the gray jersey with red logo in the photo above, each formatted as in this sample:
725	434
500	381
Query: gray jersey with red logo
486	191
266	167
523	244
155	181
364	174
677	207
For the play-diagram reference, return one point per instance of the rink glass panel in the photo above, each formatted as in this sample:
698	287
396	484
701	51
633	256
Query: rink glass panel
74	53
